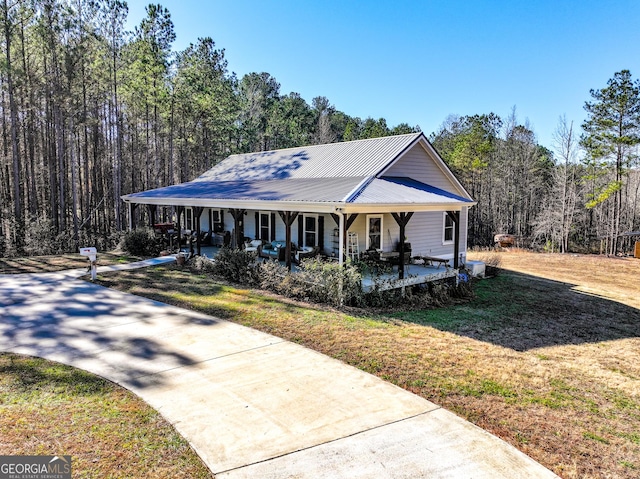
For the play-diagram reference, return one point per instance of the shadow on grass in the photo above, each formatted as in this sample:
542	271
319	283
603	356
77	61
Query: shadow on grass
53	263
41	264
524	312
513	310
28	374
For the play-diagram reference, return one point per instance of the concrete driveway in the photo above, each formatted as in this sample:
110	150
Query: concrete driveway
252	405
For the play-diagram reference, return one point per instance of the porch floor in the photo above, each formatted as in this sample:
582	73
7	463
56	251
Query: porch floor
414	274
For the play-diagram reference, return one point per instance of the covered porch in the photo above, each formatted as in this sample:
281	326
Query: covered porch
416	272
365	233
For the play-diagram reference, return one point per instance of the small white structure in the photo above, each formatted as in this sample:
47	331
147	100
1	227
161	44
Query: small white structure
476	268
92	255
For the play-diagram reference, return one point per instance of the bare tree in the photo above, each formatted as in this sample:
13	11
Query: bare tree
566	146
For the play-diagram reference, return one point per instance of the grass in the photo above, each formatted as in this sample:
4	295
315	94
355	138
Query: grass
538	362
43	264
546	356
47	408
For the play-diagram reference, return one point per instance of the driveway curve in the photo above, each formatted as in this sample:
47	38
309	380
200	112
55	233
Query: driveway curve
251	404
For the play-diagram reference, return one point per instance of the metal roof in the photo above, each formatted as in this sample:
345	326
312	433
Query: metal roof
289	189
321	177
336	191
403	190
334	160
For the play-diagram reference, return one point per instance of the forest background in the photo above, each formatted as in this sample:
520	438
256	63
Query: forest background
90	112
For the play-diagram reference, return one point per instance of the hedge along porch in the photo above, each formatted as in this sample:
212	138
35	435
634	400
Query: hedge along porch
343	198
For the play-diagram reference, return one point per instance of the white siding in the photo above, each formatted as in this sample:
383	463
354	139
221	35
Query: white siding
204	220
228	219
390	231
329	226
464	224
425	233
417	164
249	224
281	230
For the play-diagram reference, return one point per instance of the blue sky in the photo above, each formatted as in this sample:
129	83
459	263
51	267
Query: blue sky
420	61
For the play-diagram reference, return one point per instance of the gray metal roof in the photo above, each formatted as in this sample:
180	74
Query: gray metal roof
321	177
289	189
394	190
334	160
343	191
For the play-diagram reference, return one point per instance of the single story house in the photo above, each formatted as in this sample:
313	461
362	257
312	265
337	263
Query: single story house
341	198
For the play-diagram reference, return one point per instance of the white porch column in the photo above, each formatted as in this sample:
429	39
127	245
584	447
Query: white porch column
130	215
341	239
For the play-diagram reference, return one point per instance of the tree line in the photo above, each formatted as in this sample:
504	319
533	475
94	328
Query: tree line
582	197
90	112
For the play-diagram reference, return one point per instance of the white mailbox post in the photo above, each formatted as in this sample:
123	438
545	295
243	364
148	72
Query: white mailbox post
91	255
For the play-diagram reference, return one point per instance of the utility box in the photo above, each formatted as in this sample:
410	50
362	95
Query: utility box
476	268
637	250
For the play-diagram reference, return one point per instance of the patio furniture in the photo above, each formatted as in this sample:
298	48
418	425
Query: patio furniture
430	260
163	228
389	257
273	250
217	239
393	257
253	245
166	233
307	252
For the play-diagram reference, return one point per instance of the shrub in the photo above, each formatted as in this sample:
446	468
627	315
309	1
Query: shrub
330	282
202	263
463	288
236	265
39	237
272	276
141	242
322	281
317	280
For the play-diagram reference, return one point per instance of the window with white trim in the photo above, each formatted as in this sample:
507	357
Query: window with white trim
448	229
265	226
374	232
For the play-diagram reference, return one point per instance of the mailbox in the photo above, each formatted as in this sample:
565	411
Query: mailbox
90	252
